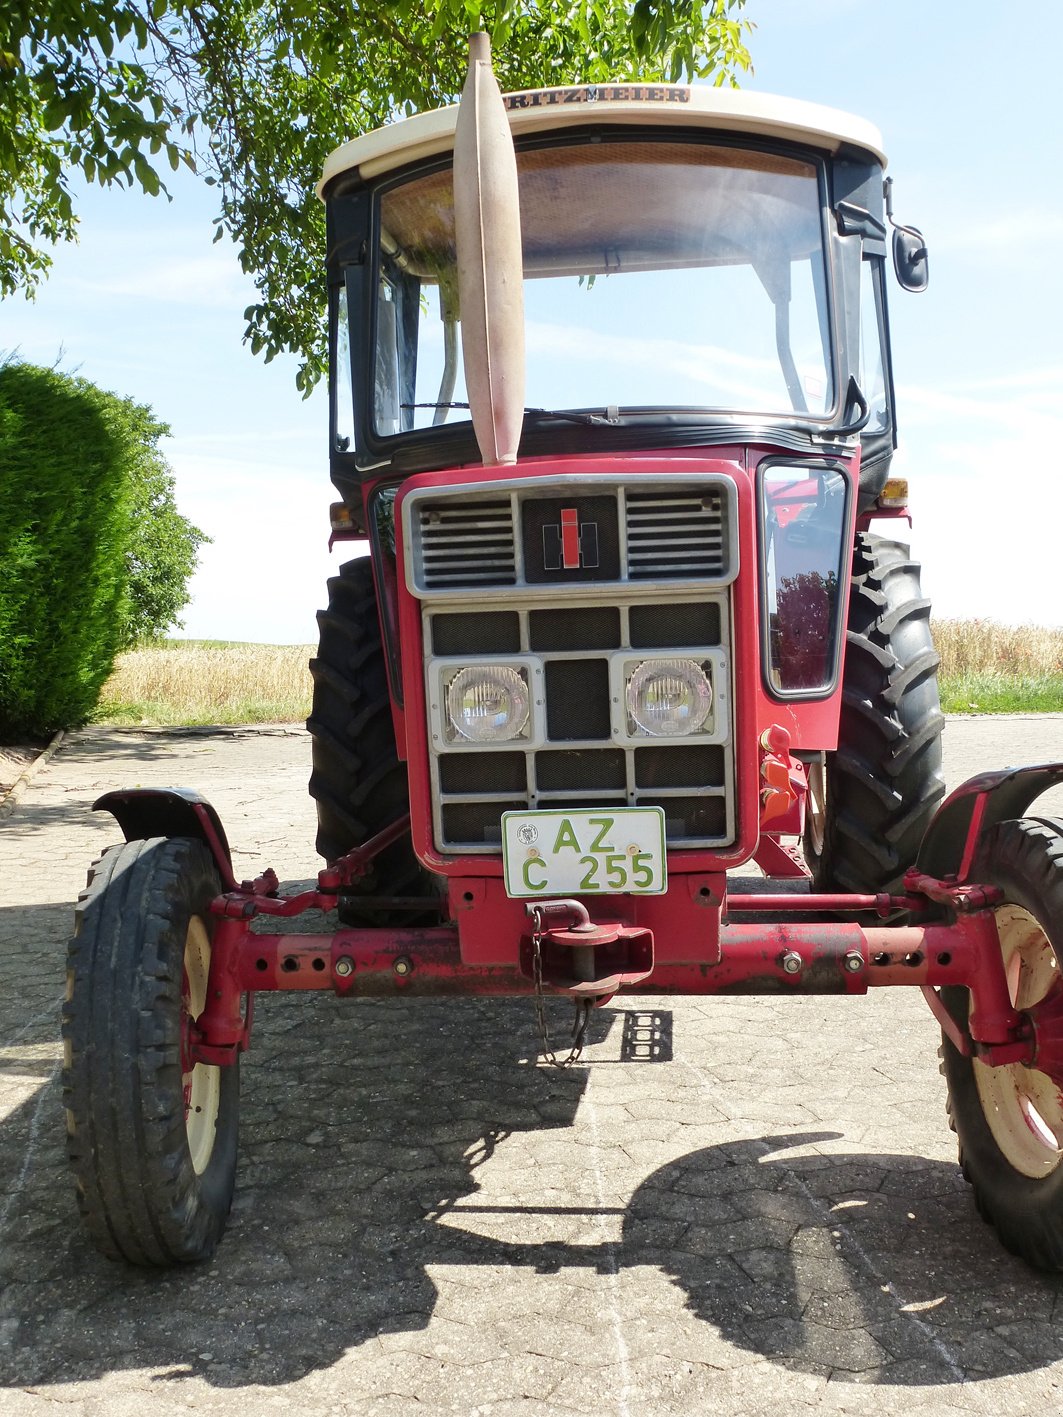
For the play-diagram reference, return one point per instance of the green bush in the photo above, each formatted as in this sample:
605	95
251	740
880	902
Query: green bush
86	564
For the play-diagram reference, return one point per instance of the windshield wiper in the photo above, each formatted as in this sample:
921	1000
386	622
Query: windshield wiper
610	419
591	419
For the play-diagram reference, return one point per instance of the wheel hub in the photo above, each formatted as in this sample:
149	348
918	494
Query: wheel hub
1023	1104
200	1082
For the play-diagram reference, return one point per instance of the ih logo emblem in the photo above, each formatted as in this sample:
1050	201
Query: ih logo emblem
567	545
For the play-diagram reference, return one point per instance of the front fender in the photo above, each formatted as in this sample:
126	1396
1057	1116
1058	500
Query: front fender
948	845
144	812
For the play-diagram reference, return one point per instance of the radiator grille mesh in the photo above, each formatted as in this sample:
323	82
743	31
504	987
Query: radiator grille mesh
580	764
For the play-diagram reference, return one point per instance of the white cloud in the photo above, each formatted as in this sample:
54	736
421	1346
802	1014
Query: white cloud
713	374
1027	405
985	526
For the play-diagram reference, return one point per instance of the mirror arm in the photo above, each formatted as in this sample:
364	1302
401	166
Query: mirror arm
887	192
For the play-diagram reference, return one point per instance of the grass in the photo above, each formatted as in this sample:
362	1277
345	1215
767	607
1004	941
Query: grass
994	693
985	668
991	668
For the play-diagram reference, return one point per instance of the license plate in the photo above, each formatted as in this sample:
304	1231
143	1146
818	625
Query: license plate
608	852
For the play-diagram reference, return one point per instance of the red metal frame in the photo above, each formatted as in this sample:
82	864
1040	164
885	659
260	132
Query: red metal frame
593	958
699	938
805	722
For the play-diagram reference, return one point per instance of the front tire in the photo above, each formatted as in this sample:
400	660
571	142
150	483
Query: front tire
872	800
152	1136
1009	1119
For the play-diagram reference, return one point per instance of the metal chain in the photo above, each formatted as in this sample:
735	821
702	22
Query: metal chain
583	1006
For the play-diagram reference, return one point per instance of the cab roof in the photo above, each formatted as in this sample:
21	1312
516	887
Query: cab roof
669	105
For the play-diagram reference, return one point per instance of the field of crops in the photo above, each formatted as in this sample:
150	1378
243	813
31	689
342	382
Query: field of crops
985	668
990	668
194	682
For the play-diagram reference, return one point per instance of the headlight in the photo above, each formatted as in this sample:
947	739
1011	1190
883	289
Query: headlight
669	698
488	704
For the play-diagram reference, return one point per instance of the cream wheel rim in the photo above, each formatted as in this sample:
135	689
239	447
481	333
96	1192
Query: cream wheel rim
200	1082
1024	1107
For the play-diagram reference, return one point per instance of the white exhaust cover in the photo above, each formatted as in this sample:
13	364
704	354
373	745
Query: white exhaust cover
490	265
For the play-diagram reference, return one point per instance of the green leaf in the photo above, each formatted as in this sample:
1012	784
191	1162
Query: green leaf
254	97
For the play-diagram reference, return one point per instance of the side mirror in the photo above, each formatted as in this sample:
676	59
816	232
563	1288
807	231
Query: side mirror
910	259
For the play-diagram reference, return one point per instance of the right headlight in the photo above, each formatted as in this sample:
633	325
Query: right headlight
669	698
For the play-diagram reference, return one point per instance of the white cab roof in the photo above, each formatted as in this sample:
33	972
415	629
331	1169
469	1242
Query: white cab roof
544	110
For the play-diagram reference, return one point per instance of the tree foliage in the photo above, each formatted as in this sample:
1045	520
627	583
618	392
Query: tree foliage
93	553
160	546
255	95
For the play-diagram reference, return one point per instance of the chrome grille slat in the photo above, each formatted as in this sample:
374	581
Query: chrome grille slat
677	529
467	544
674	533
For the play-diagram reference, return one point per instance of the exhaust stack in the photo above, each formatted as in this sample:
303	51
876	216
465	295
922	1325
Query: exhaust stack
490	265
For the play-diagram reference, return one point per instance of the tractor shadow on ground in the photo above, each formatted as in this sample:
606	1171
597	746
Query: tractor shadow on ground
34	819
364	1129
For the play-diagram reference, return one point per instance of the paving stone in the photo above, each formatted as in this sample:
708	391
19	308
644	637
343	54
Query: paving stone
773	1221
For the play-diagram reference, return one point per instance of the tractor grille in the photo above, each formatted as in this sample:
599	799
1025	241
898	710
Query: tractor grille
577	762
573	582
512	537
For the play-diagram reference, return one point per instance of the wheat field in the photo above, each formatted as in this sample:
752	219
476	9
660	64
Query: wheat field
985	667
991	668
194	682
982	646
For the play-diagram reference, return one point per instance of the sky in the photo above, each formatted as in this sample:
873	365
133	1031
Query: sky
966	98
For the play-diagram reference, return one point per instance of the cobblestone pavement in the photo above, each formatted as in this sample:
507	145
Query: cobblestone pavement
766	1218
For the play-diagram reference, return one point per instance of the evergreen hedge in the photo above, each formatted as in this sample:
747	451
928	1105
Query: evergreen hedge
64	518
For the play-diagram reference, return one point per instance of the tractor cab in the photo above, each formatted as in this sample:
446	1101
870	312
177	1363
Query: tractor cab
701	267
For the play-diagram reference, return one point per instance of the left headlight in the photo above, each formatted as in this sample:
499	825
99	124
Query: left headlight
669	698
488	704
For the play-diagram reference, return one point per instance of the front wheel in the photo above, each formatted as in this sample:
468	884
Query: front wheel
151	1134
1009	1119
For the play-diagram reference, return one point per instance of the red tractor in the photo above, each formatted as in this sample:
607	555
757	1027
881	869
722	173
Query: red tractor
611	400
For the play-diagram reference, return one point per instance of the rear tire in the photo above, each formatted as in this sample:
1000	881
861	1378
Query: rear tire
358	781
1009	1120
877	793
152	1138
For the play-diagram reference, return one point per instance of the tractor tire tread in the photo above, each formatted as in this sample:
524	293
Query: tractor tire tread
122	1086
884	779
1025	858
357	779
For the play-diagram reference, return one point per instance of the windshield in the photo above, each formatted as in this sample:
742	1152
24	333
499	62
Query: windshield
658	275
